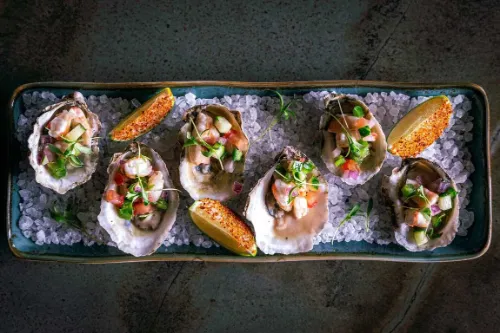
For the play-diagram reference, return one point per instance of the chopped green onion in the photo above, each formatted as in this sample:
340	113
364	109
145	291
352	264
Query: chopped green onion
161	204
299	176
58	168
307	166
408	190
296	166
315	183
237	155
426	212
358	111
339	161
54	149
364	131
450	191
437	220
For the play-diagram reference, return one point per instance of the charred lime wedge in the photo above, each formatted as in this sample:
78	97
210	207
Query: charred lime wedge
145	117
420	127
223	226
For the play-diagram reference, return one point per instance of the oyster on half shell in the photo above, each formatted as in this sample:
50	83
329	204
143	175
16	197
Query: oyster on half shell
346	119
139	205
214	152
426	205
289	205
62	150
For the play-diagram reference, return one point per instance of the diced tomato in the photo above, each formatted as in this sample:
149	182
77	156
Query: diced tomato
47	126
140	208
361	122
350	165
120	178
237	139
312	198
113	197
122	189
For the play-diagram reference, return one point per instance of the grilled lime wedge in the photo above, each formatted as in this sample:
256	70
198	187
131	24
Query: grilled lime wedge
223	226
420	127
145	117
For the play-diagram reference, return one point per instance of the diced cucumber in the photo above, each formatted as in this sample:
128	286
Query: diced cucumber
76	133
420	236
445	203
237	155
218	151
364	131
450	191
358	111
222	124
83	149
339	161
408	190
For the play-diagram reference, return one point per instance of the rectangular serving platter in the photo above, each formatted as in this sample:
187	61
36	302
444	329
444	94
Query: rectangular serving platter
475	244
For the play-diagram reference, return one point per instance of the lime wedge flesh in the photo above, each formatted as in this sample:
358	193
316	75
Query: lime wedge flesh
420	127
223	226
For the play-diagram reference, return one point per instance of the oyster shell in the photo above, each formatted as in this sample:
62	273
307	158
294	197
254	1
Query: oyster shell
143	237
428	174
210	179
278	230
75	176
373	162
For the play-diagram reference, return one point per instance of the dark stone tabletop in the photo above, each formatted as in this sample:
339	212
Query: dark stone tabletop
133	40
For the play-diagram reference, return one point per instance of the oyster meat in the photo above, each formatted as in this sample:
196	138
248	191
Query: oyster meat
426	205
289	205
354	145
62	150
214	152
139	205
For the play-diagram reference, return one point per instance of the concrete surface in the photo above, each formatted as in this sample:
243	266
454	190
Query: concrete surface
251	40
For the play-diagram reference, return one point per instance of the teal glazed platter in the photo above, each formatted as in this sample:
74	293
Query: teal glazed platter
472	246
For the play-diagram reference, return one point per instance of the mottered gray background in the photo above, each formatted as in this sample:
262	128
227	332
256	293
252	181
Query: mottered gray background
112	41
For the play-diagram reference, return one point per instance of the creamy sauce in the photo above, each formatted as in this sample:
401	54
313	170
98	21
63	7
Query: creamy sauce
289	227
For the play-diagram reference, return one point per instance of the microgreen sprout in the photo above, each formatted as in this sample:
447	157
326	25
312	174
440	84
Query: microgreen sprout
283	113
67	216
356	210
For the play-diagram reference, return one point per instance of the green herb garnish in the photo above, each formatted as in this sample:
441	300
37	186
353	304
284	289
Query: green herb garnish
68	217
283	113
408	190
358	111
364	131
161	204
339	161
450	191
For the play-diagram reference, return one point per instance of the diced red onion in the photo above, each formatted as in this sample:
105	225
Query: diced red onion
354	174
51	157
439	186
44	139
418	179
222	140
435	210
137	188
237	187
